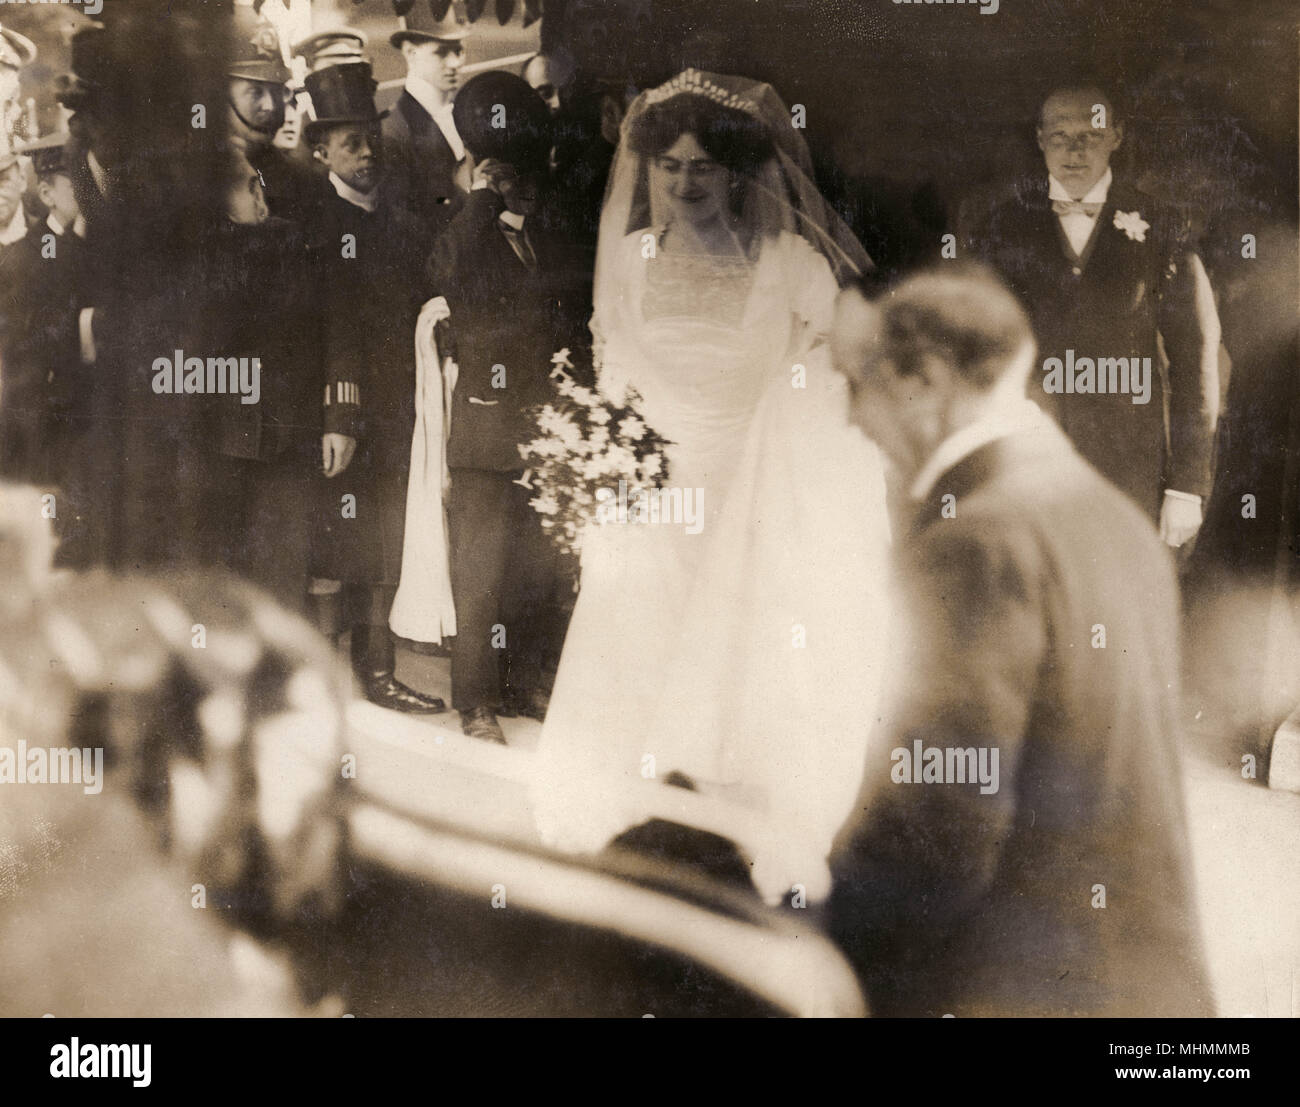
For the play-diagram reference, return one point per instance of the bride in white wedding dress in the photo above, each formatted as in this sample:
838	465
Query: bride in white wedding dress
742	655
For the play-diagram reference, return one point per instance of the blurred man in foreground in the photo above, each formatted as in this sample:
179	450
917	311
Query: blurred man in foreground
1021	845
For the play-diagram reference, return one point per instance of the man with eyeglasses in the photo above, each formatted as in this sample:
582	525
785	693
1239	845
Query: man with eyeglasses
1108	272
426	156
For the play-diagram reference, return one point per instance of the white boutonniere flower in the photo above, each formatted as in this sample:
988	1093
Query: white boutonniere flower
1132	224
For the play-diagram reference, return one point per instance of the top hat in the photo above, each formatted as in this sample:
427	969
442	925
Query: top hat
16	50
47	153
341	46
498	115
342	93
417	22
255	49
91	68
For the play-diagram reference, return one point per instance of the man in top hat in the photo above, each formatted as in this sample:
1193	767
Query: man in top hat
39	377
258	96
420	136
369	255
506	285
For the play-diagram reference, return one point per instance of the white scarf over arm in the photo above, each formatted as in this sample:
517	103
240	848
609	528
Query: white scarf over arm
423	610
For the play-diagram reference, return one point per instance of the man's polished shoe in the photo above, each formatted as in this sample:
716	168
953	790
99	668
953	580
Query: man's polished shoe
531	704
481	722
387	691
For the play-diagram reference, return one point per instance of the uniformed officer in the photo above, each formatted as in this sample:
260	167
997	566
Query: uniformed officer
369	259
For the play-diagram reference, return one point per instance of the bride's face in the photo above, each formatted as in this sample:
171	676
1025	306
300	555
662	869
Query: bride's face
688	184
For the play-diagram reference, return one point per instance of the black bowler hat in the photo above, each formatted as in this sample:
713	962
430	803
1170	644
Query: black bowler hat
91	67
341	94
498	115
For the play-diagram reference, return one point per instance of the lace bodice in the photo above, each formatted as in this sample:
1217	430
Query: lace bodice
713	289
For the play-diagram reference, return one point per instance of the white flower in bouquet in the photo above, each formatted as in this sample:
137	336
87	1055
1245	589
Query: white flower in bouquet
620	459
584	396
546	504
568	433
561	359
600	416
632	427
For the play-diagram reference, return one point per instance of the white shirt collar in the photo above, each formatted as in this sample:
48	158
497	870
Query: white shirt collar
1017	418
78	225
97	172
367	201
430	99
509	218
16	228
1096	195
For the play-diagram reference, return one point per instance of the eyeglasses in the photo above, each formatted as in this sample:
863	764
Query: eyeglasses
699	167
1089	140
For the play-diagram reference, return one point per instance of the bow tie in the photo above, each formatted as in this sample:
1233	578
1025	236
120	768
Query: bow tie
1076	207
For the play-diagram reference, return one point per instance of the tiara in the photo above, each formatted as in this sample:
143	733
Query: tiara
696	83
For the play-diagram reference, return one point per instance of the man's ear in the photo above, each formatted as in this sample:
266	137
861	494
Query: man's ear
1117	129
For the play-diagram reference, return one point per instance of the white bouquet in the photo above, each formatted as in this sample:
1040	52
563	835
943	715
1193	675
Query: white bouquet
587	444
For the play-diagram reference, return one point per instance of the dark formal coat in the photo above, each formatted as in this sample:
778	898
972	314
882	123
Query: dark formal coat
294	189
502	314
140	473
267	454
420	163
367	308
1068	891
39	352
507	320
1112	302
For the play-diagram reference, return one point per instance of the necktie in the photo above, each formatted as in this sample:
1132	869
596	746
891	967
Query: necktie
519	244
1076	207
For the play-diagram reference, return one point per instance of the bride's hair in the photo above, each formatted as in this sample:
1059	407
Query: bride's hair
733	138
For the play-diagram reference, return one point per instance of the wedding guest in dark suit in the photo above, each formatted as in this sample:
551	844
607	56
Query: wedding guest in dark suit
267	454
369	255
421	141
1040	620
1107	272
503	279
39	275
